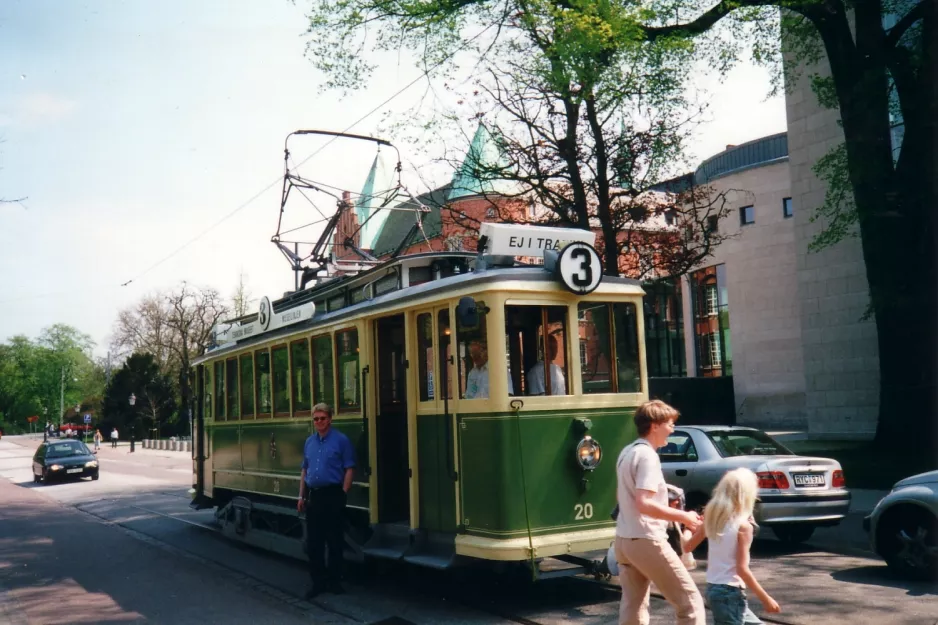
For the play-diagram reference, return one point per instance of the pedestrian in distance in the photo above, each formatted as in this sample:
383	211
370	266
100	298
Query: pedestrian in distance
325	479
114	438
728	528
97	440
641	548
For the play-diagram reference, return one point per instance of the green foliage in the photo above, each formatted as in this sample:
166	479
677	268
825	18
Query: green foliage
838	211
154	393
33	374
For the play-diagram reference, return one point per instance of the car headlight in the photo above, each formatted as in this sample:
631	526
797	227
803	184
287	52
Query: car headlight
56	467
589	453
91	464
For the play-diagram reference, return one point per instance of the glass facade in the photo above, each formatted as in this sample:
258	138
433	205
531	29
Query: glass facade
711	322
664	328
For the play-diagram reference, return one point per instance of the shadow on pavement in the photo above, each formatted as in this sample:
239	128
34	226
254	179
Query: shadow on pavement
883	576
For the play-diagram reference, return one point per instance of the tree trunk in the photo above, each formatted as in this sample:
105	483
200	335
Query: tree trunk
896	210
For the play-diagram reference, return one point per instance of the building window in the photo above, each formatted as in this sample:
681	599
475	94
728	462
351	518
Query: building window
713	224
491	212
786	207
664	328
712	299
712	324
669	218
747	215
716	358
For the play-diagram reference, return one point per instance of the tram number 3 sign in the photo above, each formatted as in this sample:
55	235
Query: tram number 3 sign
579	268
582	511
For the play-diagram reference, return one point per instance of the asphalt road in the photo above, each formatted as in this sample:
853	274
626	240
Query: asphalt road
127	549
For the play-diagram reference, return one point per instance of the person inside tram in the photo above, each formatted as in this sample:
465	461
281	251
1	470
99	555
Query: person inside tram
558	384
477	381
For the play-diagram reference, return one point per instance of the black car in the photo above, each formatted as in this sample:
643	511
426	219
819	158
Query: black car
63	459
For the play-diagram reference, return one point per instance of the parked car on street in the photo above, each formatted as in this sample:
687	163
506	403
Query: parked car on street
903	526
796	493
61	459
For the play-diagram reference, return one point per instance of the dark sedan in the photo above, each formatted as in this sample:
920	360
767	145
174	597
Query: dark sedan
63	459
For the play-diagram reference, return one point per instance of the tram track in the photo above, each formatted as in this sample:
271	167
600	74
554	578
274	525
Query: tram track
471	597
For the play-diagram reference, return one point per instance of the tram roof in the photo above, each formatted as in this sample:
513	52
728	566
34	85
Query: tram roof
482	279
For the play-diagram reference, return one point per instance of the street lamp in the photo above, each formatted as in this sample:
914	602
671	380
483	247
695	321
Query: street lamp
132	400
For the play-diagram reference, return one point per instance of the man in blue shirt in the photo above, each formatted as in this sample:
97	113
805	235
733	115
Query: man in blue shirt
328	467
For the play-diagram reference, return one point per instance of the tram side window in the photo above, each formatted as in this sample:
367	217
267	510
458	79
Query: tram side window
628	367
595	333
425	356
220	390
247	385
446	383
472	346
281	374
537	349
347	361
262	382
323	383
299	373
231	388
207	392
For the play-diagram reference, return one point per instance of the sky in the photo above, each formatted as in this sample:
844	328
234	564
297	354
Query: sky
137	128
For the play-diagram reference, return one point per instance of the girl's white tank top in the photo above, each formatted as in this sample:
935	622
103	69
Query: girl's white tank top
721	555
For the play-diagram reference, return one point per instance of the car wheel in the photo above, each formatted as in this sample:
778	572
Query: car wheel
94	476
793	534
908	541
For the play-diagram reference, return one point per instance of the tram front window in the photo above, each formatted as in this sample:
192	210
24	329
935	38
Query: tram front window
602	327
473	359
537	349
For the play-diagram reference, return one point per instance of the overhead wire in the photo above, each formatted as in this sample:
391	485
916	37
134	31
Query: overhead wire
424	74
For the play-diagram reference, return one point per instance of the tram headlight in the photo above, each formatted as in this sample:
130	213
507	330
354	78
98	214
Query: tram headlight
589	453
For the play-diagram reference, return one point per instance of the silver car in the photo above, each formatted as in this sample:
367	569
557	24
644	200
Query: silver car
796	493
903	526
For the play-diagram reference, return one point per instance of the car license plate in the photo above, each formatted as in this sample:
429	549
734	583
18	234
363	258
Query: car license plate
79	470
808	479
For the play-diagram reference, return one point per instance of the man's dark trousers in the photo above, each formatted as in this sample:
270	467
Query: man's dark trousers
325	526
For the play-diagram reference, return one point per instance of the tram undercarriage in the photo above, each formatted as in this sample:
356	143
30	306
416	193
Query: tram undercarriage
282	530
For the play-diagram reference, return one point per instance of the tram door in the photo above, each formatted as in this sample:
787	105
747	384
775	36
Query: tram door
391	421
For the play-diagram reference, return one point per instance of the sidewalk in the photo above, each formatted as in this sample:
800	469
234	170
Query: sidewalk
58	567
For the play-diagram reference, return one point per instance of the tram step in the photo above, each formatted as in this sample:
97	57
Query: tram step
389	540
430	560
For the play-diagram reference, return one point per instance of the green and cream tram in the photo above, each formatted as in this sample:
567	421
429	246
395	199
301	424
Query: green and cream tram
482	398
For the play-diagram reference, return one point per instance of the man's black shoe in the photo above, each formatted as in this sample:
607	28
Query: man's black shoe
336	588
314	592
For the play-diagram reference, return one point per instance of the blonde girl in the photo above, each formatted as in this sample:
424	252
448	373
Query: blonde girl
728	528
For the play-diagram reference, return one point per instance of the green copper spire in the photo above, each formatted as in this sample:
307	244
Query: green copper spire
483	153
377	191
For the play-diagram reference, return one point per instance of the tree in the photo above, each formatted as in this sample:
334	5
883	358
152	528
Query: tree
174	328
241	300
883	63
876	64
38	376
586	115
154	394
